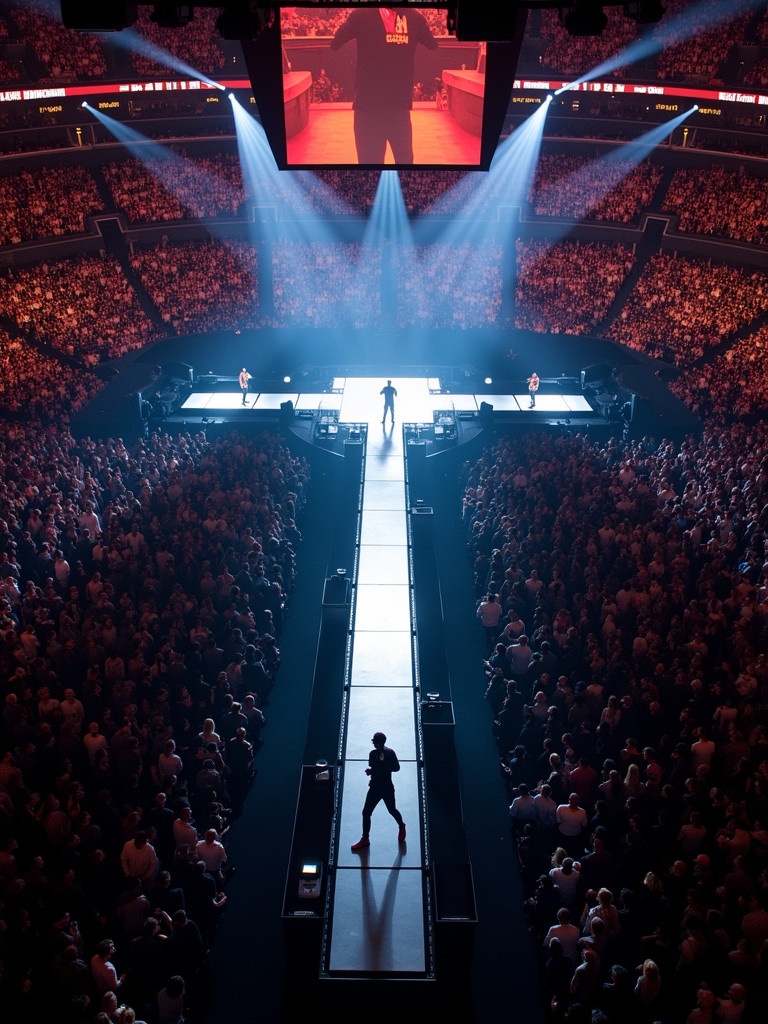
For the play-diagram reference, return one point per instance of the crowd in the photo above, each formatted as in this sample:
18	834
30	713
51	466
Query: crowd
66	55
571	54
695	195
756	77
63	55
355	192
201	286
326	285
705	54
627	683
9	72
681	56
579	188
84	307
196	44
298	22
734	384
456	286
681	307
177	188
46	202
34	382
568	287
142	602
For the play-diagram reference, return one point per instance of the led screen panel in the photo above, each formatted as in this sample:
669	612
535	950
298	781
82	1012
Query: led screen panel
380	87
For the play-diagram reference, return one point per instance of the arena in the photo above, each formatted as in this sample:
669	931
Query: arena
545	578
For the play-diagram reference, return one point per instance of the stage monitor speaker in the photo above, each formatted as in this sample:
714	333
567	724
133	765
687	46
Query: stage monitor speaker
642	415
486	415
286	412
595	375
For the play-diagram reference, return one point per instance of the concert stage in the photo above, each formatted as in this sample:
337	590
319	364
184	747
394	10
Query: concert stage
425	410
178	384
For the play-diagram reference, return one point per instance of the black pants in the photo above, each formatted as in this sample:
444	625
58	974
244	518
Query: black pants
374	129
387	794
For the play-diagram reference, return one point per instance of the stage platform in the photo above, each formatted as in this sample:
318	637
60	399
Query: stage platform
353	401
353	405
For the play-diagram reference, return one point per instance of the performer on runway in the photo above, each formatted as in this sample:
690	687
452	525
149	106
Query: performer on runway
382	761
390	394
243	381
533	387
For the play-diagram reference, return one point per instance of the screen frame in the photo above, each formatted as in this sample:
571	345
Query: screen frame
264	58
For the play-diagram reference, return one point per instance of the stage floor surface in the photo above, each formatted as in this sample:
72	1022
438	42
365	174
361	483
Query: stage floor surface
357	400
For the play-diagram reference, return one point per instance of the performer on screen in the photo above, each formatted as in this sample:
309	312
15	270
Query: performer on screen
386	51
533	387
243	381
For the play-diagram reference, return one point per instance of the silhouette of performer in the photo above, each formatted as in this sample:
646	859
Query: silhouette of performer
382	761
390	394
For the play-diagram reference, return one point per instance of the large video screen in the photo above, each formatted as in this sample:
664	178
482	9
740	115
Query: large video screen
380	87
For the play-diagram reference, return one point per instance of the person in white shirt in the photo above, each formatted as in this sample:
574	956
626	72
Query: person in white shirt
571	823
183	829
211	852
94	741
567	933
139	860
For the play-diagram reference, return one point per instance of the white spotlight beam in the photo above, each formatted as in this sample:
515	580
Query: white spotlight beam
131	41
